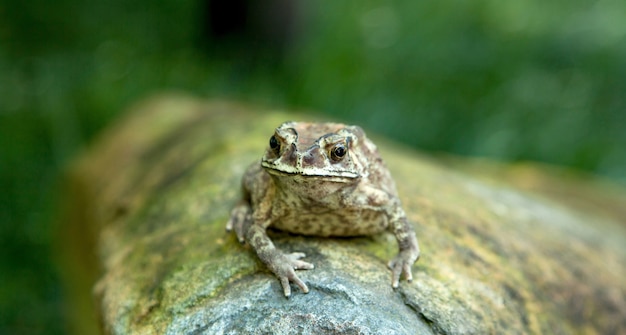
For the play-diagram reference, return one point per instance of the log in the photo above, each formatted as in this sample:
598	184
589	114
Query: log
516	249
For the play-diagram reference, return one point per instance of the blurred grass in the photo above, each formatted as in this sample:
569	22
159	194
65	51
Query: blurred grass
526	80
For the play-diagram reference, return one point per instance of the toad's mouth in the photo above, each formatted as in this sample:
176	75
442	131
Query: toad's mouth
311	172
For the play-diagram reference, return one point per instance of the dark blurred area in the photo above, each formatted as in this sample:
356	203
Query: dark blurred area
533	80
259	32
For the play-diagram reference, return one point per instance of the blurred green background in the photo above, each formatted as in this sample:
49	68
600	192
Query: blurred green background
522	80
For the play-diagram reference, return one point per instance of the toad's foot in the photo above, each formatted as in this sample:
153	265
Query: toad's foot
402	264
283	266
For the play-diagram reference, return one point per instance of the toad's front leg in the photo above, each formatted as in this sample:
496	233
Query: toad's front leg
407	243
282	265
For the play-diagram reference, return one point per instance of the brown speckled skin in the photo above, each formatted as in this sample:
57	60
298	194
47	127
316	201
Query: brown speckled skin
305	185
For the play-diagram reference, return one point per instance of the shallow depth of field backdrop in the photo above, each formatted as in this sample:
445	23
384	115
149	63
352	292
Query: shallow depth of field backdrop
512	80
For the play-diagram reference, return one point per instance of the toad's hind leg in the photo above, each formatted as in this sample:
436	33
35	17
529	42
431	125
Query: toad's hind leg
240	219
282	265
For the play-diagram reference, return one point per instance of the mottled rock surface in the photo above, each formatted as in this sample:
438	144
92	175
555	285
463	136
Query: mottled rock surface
505	249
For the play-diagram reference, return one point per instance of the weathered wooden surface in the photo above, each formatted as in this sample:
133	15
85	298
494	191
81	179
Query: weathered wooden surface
497	256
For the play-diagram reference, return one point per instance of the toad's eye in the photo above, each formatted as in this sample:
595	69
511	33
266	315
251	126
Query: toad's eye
338	152
274	144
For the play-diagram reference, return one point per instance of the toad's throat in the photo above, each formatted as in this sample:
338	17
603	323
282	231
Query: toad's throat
310	172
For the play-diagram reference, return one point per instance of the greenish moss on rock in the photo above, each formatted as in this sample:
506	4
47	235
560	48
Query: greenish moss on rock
156	190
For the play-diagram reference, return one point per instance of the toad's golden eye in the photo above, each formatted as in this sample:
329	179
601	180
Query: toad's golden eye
274	144
338	152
